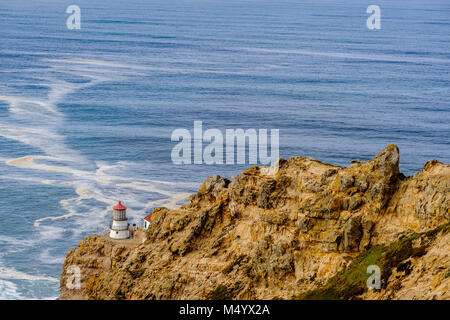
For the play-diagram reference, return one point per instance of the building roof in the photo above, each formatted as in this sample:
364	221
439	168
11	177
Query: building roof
148	217
120	206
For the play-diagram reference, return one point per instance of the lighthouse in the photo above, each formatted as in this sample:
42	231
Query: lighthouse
119	227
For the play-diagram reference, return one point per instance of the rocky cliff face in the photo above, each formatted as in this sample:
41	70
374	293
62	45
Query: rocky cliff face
299	229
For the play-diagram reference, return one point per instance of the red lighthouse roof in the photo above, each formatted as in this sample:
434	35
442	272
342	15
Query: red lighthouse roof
120	206
148	217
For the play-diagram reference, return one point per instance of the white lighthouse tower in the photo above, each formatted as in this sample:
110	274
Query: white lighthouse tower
119	227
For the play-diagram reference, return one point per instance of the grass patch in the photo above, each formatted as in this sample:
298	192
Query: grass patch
351	281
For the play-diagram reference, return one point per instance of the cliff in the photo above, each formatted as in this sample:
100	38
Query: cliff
299	229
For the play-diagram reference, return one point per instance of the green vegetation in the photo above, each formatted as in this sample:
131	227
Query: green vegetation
351	281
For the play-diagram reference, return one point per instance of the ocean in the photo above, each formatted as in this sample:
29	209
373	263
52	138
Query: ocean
86	116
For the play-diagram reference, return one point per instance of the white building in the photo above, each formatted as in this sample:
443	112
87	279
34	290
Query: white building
147	220
119	227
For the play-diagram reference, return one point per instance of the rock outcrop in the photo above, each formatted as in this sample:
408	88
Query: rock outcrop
293	230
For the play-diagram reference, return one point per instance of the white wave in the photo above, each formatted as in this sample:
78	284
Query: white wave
47	233
20	105
60	89
99	63
94	186
47	258
21	178
352	56
90	62
70	205
28	162
13	274
44	139
141	69
8	291
40	120
51	234
16	241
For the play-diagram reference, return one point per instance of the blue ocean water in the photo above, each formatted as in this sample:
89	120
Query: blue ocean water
86	115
